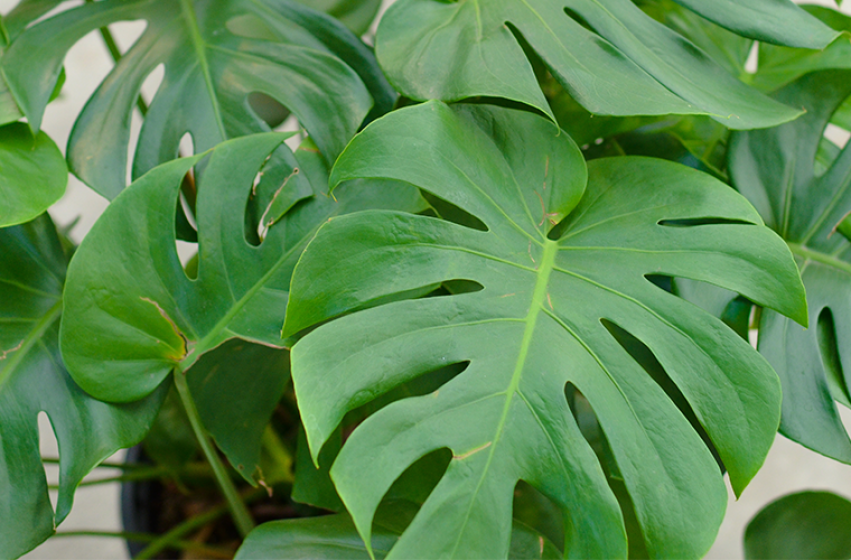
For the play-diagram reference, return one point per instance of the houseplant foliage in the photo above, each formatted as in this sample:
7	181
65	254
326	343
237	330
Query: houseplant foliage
502	343
801	525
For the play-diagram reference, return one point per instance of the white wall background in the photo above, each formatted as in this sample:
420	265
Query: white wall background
789	467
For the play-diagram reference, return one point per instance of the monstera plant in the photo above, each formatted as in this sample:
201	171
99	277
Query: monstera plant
491	300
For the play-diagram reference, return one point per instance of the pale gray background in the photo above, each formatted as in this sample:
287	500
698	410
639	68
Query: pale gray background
789	467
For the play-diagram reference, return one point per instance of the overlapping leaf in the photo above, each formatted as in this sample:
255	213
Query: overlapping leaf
612	57
335	536
776	170
215	53
32	174
132	315
33	379
779	66
538	323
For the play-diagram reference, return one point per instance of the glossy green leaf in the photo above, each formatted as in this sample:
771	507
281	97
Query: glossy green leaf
802	526
32	174
612	57
357	15
775	170
726	47
778	66
535	326
132	314
215	53
335	537
33	379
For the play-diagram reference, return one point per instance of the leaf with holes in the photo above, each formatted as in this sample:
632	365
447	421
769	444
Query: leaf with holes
538	322
132	315
612	57
776	170
215	53
32	174
33	379
335	536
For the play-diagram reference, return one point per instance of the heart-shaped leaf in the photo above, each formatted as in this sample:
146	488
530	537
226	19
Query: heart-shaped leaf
132	315
802	526
775	169
538	324
612	57
32	174
215	53
33	379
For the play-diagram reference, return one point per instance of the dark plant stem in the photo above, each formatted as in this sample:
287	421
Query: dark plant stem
241	517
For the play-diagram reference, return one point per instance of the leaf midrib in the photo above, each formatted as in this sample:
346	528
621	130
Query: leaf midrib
538	296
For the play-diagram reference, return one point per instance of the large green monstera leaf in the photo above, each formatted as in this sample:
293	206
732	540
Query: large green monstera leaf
612	57
132	314
776	171
33	379
538	323
215	53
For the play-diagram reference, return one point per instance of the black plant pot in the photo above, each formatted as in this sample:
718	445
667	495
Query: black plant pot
141	506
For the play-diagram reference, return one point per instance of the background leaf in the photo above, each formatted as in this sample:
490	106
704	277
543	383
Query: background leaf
802	526
133	315
776	170
32	174
357	15
33	379
538	323
611	57
215	53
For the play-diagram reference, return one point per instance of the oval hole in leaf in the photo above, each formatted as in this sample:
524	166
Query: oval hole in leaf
268	108
579	19
151	85
826	332
418	480
647	360
452	213
692	222
126	33
588	424
536	510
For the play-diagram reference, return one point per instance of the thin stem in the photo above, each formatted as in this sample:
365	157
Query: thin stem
241	516
167	540
206	550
